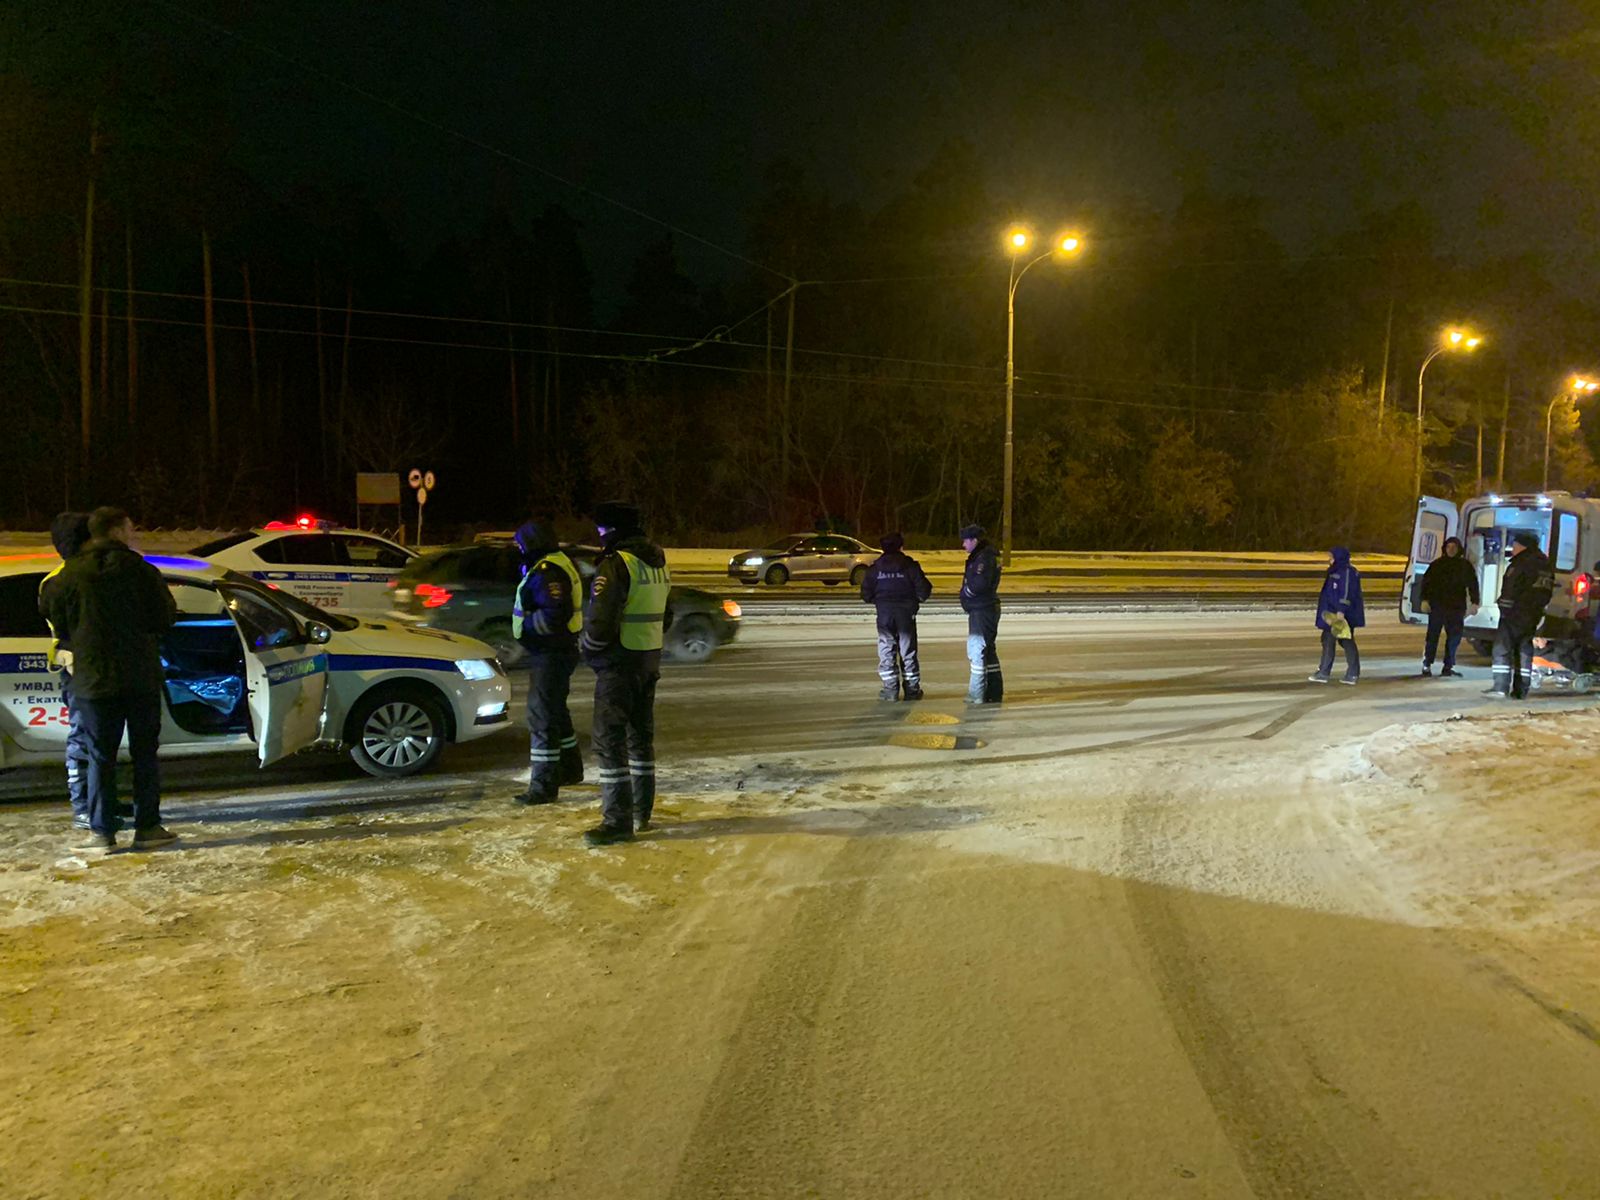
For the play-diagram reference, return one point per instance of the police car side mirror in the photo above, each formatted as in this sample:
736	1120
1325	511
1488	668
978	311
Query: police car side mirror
318	634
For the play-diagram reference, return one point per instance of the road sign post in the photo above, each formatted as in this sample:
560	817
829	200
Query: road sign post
422	483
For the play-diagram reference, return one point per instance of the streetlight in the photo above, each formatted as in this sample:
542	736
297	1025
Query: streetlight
1018	239
1574	389
1453	339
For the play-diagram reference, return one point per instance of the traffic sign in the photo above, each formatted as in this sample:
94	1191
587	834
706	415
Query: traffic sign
427	481
422	496
415	478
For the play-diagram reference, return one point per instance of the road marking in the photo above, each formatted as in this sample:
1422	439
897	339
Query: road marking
923	716
935	741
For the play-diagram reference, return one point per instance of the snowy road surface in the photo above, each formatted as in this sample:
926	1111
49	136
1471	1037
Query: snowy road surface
1171	922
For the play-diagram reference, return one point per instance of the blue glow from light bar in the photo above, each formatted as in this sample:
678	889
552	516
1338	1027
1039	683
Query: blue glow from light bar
178	562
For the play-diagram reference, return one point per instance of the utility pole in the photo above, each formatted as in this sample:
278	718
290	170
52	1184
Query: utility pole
133	338
86	310
213	421
783	417
250	326
1383	383
1505	415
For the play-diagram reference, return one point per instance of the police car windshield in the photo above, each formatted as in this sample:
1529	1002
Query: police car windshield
301	610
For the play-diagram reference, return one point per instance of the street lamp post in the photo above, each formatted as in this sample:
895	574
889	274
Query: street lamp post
1017	241
1453	339
1578	385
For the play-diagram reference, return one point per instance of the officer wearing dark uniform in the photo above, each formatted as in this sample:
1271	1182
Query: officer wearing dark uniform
897	586
1525	590
980	600
623	630
112	608
69	533
546	618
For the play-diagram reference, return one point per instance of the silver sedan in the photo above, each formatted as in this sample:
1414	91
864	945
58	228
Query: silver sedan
829	558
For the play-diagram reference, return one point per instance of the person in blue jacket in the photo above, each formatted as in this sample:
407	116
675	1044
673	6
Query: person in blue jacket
1339	614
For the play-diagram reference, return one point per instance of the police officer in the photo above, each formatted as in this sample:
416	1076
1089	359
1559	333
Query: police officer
980	600
1525	590
546	618
69	532
623	629
896	585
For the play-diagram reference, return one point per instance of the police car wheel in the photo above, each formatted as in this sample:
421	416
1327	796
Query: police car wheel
691	640
777	575
857	574
396	733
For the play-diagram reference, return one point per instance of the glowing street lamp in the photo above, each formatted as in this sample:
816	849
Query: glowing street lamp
1452	339
1065	245
1576	386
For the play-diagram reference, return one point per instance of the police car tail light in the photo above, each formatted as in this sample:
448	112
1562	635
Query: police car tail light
1580	587
432	595
732	609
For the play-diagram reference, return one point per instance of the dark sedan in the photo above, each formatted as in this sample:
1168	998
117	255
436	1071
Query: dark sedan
829	558
470	589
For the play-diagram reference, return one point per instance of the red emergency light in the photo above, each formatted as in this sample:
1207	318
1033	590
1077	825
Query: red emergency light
1580	587
303	521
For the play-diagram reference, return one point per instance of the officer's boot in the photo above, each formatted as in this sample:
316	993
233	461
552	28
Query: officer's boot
644	792
543	778
889	691
913	689
571	762
616	809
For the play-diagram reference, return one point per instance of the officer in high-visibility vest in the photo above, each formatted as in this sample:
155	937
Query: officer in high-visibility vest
623	629
546	617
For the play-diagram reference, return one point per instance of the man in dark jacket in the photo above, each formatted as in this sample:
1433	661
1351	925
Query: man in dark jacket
112	608
1449	590
623	629
1525	590
1340	612
546	617
980	600
69	532
897	586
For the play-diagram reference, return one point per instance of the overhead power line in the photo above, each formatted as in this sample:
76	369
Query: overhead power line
956	386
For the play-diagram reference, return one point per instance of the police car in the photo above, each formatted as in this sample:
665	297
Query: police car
251	668
318	561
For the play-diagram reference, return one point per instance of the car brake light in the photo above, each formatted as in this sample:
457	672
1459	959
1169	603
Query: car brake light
392	584
1580	586
432	595
732	609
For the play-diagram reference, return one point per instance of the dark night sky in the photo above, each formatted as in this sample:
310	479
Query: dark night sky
1483	112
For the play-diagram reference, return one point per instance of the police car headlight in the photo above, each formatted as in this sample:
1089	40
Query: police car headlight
755	560
475	668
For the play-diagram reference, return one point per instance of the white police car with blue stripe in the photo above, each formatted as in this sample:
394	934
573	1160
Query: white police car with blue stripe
322	563
247	667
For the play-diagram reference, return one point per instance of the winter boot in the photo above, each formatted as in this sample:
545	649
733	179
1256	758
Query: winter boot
608	835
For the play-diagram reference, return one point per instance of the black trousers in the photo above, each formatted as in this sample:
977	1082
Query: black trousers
104	718
553	754
624	735
897	648
1513	657
77	754
1450	622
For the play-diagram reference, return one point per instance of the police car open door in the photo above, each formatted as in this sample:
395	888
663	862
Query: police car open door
286	675
1437	520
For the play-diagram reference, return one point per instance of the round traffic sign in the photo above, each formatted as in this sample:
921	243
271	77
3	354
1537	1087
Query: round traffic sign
415	478
422	496
427	481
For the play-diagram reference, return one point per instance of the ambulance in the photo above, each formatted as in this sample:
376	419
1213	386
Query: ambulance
1568	528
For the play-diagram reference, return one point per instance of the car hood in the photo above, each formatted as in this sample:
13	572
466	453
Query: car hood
393	637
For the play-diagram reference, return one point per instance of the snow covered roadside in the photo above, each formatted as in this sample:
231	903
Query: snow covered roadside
1488	826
